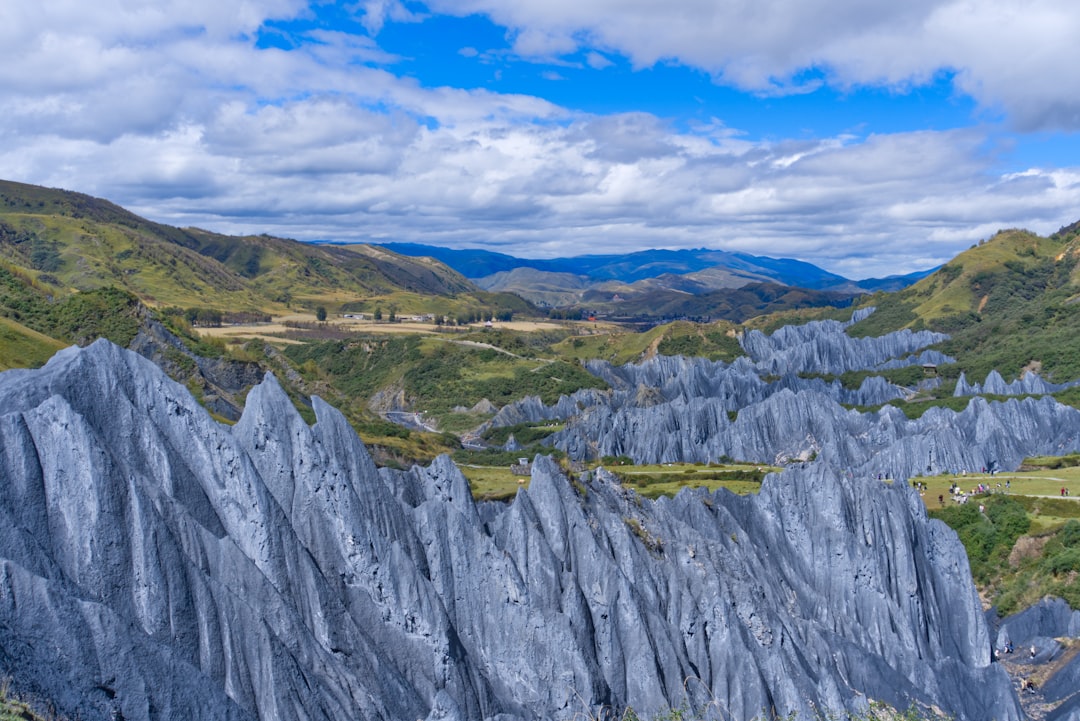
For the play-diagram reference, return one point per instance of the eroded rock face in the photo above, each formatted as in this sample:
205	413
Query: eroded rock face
163	566
774	363
789	426
1031	642
824	347
1029	384
701	411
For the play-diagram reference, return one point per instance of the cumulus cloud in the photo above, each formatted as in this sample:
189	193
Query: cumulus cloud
597	61
175	112
1014	56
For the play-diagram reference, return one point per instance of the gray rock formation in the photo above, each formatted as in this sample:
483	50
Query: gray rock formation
1040	627
664	379
820	347
158	565
221	382
790	426
825	347
531	409
1029	384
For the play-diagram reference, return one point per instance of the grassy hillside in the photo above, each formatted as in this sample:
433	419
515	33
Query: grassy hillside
75	318
435	375
1024	544
21	347
66	241
715	341
1009	303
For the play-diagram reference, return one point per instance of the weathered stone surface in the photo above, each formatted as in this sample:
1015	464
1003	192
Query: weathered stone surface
664	379
820	347
1050	618
1040	627
824	347
790	426
221	381
1029	384
158	564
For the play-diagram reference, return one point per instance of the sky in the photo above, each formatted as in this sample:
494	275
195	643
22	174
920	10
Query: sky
871	138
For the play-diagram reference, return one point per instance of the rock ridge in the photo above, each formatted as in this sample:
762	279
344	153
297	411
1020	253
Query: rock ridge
157	564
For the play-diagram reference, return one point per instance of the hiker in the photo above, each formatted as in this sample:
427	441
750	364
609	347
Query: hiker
941	499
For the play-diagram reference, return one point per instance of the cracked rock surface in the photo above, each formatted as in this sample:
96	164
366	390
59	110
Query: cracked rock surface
155	564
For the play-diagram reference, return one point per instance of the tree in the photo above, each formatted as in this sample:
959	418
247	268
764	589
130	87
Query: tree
378	312
320	314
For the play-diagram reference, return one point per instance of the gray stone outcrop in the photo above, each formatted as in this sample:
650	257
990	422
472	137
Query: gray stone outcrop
1043	627
825	347
789	426
155	564
773	363
1030	383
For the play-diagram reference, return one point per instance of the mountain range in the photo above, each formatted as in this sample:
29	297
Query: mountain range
640	265
655	275
66	241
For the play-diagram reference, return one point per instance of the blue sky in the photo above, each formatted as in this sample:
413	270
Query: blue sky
869	138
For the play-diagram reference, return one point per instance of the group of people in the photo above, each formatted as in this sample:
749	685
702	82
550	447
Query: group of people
1064	491
1026	684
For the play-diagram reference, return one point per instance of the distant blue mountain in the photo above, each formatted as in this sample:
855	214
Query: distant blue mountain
644	264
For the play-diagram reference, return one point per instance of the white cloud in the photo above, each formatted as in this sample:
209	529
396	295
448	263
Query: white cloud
174	112
596	61
1019	56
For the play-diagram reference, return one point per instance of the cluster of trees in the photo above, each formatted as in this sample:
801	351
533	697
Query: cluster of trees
481	316
566	313
213	318
1049	564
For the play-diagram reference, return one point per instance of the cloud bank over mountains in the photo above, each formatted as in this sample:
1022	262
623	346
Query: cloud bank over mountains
185	113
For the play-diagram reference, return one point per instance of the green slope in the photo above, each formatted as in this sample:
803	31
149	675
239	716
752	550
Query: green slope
69	241
1009	303
21	347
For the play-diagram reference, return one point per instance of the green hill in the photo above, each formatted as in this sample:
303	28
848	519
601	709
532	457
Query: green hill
1009	303
67	241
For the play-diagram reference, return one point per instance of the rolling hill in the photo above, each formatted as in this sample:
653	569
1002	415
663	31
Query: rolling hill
67	241
630	267
1009	303
655	283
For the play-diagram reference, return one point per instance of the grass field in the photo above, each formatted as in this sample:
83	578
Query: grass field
653	481
498	483
21	347
493	483
1025	483
1043	487
1038	491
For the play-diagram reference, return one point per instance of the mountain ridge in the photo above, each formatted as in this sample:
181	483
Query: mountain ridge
641	265
70	240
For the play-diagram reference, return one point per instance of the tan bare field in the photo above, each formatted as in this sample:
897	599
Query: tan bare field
267	331
523	325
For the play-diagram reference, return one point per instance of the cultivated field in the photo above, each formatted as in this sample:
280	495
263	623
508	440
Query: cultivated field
498	483
276	330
